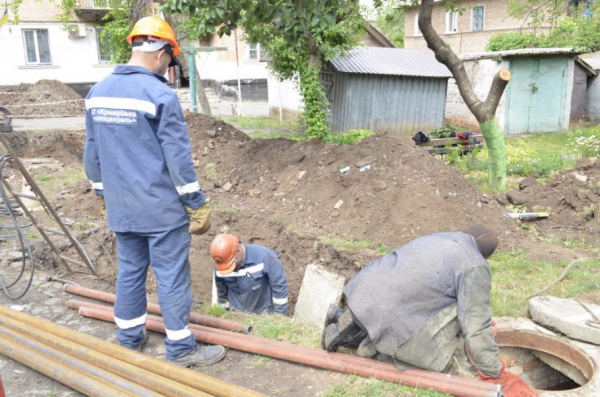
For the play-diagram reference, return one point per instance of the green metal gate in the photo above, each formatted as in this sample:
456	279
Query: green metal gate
536	95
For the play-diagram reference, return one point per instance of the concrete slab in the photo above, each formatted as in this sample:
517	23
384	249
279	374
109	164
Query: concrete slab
319	289
567	316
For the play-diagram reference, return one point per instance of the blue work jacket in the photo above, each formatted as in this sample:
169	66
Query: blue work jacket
258	286
137	153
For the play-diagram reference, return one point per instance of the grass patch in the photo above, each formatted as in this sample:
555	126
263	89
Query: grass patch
51	184
347	244
259	361
383	249
210	170
363	387
538	155
514	276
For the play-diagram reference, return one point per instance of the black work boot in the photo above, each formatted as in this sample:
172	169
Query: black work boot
203	355
334	312
345	333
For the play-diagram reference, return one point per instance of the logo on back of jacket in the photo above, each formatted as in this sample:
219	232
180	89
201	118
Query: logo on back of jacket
114	116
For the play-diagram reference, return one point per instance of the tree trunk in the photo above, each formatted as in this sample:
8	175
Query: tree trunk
484	111
200	94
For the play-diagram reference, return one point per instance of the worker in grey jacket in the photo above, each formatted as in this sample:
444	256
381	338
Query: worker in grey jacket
411	307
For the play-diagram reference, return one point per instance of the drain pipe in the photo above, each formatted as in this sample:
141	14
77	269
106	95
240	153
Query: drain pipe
70	377
195	318
425	379
59	348
193	379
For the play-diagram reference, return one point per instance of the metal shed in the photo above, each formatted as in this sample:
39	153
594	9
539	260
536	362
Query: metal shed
386	89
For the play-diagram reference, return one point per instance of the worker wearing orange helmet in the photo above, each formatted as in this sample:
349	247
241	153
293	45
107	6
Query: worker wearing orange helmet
138	159
248	277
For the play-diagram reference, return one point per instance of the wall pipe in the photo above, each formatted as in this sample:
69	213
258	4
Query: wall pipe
429	380
195	318
75	304
67	376
129	372
174	372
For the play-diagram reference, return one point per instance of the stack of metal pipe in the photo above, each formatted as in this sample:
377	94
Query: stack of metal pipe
454	385
98	368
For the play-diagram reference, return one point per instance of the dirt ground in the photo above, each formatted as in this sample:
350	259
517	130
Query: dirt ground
26	99
283	194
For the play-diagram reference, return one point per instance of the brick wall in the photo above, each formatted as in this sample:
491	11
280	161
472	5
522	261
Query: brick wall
38	11
531	369
464	41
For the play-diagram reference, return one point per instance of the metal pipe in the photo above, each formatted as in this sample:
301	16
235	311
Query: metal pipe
138	376
70	377
429	380
74	304
174	372
195	318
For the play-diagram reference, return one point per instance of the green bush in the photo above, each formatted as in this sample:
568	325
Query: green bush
349	138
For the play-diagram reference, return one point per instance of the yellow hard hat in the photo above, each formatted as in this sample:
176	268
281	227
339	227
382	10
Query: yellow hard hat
153	26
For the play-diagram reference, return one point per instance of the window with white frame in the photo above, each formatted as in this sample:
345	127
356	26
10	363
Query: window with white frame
37	46
104	53
253	52
451	22
477	18
417	30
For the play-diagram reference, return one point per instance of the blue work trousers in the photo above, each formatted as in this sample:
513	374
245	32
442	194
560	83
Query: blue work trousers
168	253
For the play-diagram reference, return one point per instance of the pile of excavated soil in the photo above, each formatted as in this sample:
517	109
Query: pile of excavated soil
572	197
27	98
291	197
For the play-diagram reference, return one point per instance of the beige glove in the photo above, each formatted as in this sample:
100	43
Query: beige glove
200	219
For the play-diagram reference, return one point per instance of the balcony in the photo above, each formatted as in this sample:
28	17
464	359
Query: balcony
94	10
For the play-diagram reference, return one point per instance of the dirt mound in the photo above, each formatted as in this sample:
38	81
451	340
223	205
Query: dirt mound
572	197
29	96
202	127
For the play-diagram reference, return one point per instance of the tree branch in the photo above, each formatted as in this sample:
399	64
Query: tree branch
483	111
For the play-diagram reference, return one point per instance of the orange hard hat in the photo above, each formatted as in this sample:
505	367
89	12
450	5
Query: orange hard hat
223	249
154	26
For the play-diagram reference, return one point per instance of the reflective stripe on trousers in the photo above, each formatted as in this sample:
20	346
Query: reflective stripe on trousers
168	253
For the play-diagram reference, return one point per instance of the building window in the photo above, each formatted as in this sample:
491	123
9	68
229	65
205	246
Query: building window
477	15
451	22
417	30
104	53
37	46
253	52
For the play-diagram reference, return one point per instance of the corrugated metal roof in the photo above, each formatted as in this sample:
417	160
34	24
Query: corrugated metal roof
521	52
391	62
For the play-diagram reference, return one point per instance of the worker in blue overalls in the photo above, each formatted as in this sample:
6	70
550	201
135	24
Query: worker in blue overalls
138	159
248	277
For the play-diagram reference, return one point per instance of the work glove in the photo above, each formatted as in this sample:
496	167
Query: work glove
200	219
512	385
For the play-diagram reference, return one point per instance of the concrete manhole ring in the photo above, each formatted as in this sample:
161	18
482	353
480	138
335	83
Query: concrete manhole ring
556	351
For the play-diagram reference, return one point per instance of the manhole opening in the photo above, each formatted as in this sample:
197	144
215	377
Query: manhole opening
545	362
540	370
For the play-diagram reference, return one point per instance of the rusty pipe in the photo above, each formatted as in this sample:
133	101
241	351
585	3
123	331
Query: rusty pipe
174	372
74	304
430	380
70	377
121	369
195	318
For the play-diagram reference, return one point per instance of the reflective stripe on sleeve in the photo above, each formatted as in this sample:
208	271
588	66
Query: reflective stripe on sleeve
178	335
280	301
243	272
97	185
126	324
189	188
121	103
